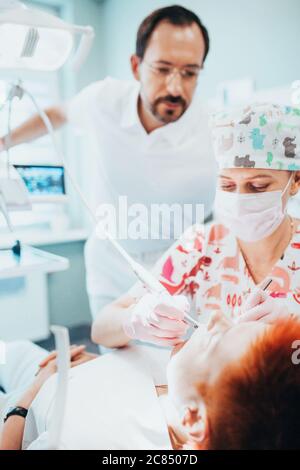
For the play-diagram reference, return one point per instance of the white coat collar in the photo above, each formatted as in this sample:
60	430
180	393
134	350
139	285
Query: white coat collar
174	132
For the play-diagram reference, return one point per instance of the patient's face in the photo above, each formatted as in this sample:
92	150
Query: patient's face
205	355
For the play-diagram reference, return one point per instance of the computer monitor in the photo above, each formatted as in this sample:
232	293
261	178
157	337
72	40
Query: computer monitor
45	183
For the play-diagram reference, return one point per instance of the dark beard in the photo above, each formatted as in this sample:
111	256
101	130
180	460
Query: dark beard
167	116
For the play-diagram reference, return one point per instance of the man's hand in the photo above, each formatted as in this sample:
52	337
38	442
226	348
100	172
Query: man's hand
35	127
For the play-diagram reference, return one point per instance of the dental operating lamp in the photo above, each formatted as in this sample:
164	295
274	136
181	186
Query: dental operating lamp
31	39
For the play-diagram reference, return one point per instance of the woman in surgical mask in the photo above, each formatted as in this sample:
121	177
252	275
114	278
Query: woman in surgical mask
247	263
253	204
258	155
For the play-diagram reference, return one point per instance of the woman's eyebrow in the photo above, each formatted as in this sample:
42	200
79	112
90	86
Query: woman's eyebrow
260	176
249	178
225	177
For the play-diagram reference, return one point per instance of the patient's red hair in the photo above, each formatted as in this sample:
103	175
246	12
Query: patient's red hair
256	403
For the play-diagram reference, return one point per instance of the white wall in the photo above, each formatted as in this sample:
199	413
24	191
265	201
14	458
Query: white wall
249	38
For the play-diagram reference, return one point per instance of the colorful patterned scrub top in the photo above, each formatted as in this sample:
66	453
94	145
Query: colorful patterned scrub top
207	266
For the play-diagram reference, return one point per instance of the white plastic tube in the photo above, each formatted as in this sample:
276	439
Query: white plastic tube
62	345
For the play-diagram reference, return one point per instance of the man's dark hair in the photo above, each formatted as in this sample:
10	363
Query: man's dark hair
175	15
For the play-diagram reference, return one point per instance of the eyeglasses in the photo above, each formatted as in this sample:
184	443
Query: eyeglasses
188	74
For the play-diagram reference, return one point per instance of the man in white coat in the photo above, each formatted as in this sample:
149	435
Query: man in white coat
150	139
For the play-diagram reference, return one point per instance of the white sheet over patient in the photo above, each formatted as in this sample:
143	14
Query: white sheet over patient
112	404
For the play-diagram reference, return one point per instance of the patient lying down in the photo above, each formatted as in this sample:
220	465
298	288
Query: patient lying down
229	387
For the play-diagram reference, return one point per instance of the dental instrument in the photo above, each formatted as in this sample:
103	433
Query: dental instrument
267	284
145	276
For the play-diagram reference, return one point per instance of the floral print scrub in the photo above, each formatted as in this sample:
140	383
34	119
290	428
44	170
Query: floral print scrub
207	266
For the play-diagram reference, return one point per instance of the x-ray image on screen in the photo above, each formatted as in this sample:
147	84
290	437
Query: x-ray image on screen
43	180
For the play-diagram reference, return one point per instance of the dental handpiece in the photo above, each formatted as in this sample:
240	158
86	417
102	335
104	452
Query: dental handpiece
149	280
145	276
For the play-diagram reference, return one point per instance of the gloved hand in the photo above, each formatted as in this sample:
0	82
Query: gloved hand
261	306
158	318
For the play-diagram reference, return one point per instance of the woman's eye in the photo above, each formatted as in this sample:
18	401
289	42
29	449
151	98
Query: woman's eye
259	188
227	187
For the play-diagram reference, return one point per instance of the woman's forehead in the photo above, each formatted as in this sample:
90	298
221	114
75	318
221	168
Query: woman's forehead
246	173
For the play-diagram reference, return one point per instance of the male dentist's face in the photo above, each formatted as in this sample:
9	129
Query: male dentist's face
169	70
201	360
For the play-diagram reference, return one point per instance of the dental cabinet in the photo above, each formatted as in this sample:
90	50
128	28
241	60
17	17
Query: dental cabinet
24	292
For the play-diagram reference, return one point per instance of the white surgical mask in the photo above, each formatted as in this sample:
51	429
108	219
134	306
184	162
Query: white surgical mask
251	217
